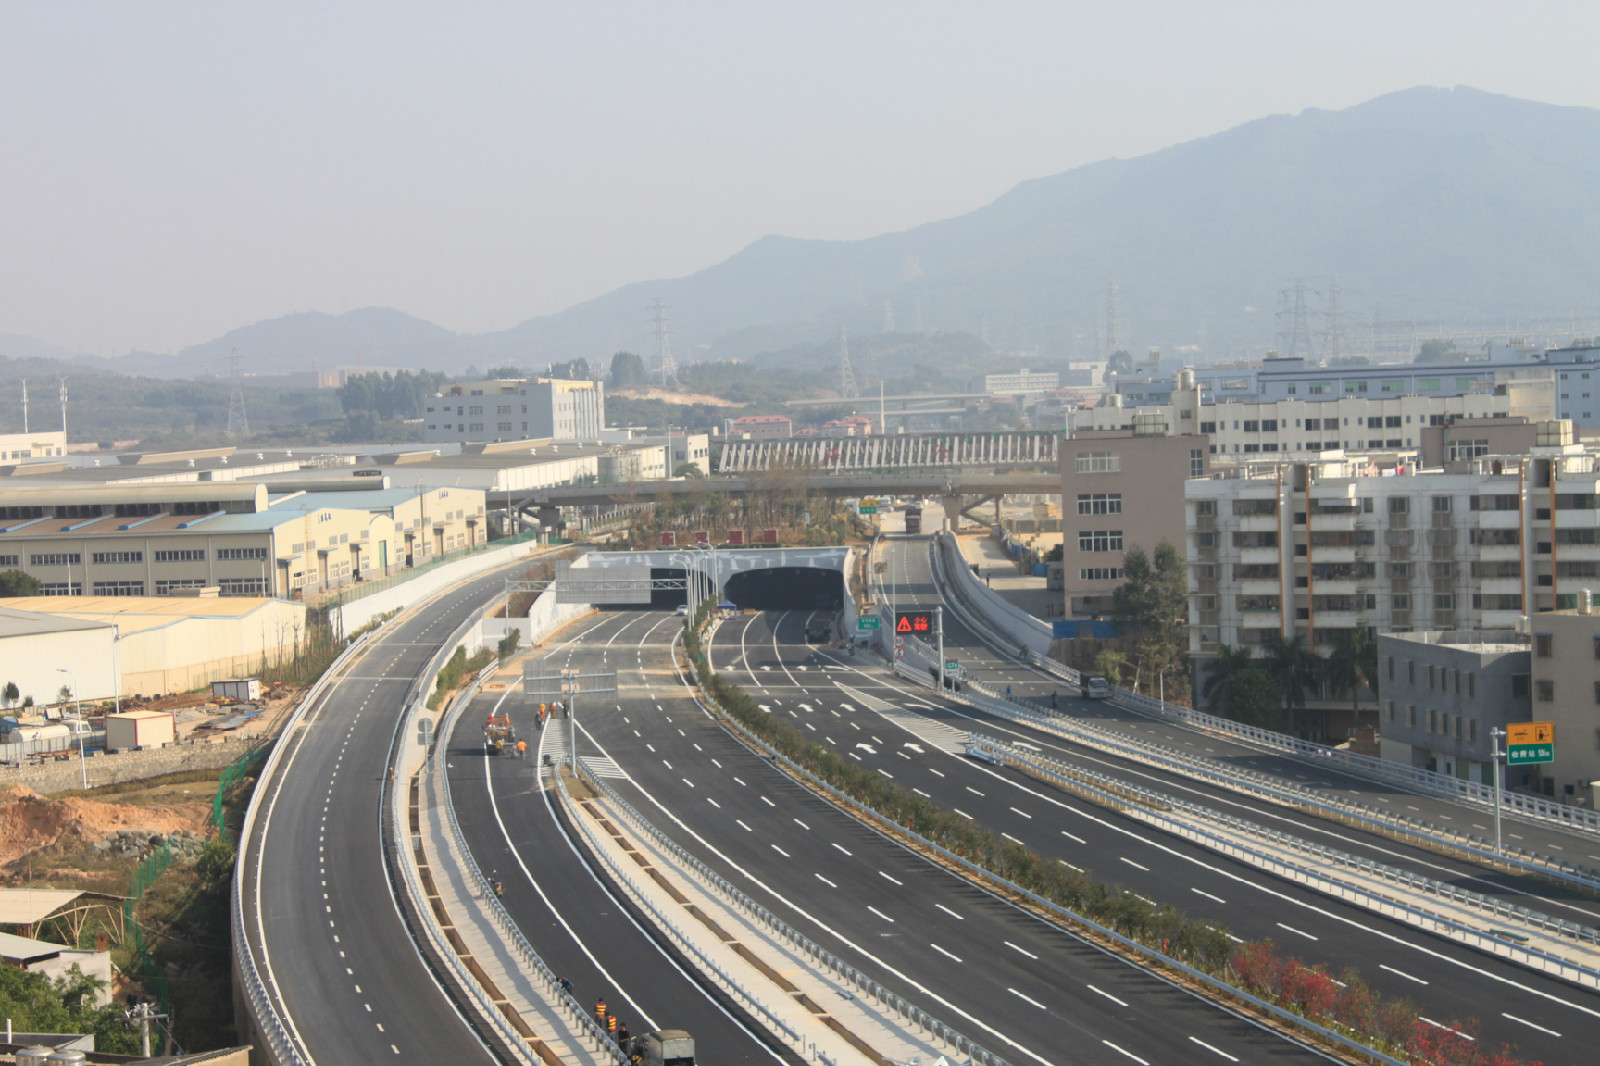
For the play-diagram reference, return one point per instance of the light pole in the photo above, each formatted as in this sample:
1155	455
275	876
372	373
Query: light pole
1496	741
1161	683
83	760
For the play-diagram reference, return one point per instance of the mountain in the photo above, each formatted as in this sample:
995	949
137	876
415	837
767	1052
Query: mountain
1434	204
373	336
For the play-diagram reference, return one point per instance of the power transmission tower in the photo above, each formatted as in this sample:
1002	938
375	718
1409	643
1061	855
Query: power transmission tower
24	405
847	374
238	424
1113	319
664	363
63	407
1334	340
1294	330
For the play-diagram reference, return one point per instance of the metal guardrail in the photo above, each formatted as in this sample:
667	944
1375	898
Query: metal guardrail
1116	790
581	1019
1294	1020
282	1043
1370	767
909	1011
405	859
682	940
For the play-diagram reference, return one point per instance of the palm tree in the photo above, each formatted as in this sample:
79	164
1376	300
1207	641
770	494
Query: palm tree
1290	662
1353	664
1229	661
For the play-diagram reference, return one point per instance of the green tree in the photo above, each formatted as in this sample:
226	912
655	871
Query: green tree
1353	664
17	583
1291	664
507	647
1229	661
572	370
507	372
688	468
1437	351
627	371
1120	362
11	694
1251	696
34	1003
1109	665
1154	595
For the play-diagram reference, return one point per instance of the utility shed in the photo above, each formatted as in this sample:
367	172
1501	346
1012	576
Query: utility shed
54	960
242	689
140	729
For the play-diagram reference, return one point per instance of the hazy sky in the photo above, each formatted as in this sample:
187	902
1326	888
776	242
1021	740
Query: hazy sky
171	171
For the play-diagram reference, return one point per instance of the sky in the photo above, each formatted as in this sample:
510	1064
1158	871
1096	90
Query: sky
171	171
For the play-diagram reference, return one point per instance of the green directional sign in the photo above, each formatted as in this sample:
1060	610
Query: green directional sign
869	505
952	664
867	623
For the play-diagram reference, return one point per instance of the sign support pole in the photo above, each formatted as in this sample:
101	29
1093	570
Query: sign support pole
1496	736
938	625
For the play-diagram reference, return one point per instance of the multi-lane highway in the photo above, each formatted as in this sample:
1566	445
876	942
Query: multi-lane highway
1027	990
330	940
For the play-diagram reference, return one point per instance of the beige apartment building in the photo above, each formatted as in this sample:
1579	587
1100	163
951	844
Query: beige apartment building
1565	689
1119	489
244	539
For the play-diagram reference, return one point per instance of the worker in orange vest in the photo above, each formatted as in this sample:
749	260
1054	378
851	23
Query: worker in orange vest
611	1025
522	749
600	1010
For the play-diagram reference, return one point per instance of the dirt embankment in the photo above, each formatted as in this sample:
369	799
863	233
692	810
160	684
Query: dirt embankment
32	825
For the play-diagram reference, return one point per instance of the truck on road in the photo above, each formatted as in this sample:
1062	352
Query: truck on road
665	1047
913	519
1097	688
498	735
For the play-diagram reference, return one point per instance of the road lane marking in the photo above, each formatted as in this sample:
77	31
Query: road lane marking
943	952
1027	999
1207	895
825	881
950	912
1125	1053
740	823
1021	951
1401	973
1133	864
1530	1025
1215	1050
888	878
1298	932
843	849
1108	995
780	851
880	914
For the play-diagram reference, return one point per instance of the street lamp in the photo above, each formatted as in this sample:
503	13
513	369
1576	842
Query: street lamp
1161	682
83	760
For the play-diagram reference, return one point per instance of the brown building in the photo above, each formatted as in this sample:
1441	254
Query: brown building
1118	489
761	427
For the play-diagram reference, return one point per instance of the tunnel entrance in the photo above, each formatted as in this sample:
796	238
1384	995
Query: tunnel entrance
668	599
786	588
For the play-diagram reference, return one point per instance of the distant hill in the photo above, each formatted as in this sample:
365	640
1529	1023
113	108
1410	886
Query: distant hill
1432	203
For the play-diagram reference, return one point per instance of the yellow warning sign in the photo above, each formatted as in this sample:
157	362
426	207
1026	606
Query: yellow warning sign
1530	732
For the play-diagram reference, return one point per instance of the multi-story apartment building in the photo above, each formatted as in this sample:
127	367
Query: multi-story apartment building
1117	490
1565	689
761	427
1443	693
1241	431
163	538
1317	548
516	409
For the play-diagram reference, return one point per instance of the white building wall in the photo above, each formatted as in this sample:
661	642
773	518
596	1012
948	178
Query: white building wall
34	660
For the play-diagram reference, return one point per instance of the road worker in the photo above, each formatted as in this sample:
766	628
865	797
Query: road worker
600	1010
611	1025
522	749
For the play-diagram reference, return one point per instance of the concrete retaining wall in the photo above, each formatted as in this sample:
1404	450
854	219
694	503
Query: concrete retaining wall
352	616
65	776
1014	622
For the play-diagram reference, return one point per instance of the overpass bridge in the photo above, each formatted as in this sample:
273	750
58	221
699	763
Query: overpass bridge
894	451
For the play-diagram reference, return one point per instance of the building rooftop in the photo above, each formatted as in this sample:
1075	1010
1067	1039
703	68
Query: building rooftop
1483	641
136	614
15	622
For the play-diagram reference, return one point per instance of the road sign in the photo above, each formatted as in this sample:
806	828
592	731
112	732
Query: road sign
899	653
952	664
869	505
916	623
866	623
899	641
1529	743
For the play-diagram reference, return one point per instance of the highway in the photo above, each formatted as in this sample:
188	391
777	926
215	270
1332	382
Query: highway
1027	990
838	698
585	932
344	968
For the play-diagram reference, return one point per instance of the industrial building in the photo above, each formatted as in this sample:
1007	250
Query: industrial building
761	427
20	447
109	646
1021	383
516	409
242	538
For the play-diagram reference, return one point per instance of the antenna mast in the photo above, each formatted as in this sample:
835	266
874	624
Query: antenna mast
63	408
24	405
238	423
668	369
847	374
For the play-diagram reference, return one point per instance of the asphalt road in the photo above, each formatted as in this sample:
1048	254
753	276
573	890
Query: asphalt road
838	700
582	929
345	968
1029	991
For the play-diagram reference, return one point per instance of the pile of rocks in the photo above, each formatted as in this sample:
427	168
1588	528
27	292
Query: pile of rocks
185	844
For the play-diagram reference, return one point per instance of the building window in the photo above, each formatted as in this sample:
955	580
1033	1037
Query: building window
1546	691
1472	685
1519	685
1100	573
1100	503
1472	730
167	588
119	588
61	588
1099	540
104	558
56	559
1542	645
250	586
181	555
1389	662
1411	716
1197	462
1099	463
8	562
236	554
1388	711
1411	672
